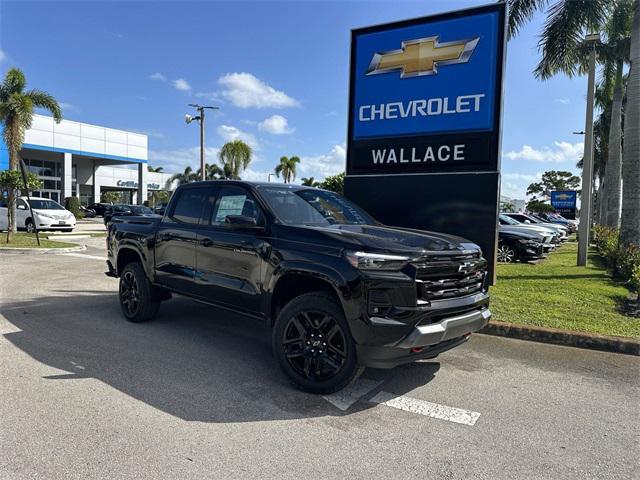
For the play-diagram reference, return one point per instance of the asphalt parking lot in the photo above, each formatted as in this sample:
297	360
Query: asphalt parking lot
196	394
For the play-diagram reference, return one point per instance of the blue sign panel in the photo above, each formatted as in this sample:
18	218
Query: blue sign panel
436	76
564	199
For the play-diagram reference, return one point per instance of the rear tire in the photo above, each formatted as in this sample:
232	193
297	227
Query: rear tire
138	299
313	344
30	226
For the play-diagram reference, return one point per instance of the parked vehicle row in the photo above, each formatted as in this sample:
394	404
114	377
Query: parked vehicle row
125	210
525	237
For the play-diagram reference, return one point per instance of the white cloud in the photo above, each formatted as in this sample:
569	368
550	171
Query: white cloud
67	106
563	101
157	76
560	152
230	133
321	166
514	185
252	175
3	56
276	125
245	90
178	159
181	84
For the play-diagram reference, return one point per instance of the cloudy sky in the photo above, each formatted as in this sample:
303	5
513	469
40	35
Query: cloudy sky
277	70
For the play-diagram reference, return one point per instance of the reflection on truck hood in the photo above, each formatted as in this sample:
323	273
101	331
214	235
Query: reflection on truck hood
394	239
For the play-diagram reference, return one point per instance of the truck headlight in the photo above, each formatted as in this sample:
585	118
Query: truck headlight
376	261
528	242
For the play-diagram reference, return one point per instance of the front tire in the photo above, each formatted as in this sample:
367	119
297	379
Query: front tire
313	344
506	254
30	226
136	294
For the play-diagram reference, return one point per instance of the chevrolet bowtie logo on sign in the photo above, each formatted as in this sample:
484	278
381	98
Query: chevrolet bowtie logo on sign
422	57
564	196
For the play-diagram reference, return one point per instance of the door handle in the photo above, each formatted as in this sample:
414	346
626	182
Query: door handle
206	242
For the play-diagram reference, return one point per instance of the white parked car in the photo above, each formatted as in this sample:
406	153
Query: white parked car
47	215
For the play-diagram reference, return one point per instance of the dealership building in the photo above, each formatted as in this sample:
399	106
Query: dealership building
83	160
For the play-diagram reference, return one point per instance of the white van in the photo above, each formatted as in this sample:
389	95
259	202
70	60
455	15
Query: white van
47	215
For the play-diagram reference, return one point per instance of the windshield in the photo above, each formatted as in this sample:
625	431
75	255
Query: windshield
140	209
508	220
45	205
313	207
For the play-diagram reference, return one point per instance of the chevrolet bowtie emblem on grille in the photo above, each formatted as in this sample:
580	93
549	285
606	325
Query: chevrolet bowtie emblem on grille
465	267
422	56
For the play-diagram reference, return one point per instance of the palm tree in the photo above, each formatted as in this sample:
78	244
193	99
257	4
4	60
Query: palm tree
630	228
567	21
212	172
155	169
287	167
309	182
614	53
187	176
16	115
235	156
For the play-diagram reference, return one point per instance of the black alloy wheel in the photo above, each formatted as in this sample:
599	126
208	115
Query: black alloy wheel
129	296
139	299
315	345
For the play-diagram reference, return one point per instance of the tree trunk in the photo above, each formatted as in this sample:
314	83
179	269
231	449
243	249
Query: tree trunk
613	172
600	196
14	161
630	225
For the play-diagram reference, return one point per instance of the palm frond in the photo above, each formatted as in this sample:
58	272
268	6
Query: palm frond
14	82
521	12
45	100
566	24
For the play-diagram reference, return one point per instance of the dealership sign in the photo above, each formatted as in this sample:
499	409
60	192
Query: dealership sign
565	202
425	94
134	184
425	103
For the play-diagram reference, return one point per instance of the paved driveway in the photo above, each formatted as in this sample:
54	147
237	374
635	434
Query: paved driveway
196	394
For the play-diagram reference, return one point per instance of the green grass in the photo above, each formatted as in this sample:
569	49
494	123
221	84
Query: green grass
28	240
557	294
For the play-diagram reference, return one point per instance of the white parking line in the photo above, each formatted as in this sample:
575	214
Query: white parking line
352	393
80	255
422	407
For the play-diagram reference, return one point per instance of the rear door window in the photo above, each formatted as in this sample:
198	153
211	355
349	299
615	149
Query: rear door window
233	201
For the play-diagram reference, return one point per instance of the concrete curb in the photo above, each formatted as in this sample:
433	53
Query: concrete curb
40	251
593	341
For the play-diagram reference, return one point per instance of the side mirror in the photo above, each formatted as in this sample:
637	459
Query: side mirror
527	221
240	221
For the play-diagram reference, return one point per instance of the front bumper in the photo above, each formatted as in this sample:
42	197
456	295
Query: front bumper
438	327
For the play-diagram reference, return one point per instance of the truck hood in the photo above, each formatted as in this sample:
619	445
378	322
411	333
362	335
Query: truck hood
381	238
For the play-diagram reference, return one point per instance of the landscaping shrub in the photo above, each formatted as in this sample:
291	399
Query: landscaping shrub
606	240
73	205
623	261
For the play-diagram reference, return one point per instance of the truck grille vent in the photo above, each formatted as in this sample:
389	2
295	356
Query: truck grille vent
441	277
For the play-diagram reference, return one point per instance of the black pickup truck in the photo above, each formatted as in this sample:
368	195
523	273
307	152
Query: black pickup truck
340	290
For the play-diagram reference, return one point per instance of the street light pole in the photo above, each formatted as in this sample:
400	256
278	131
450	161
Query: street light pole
200	118
587	162
203	173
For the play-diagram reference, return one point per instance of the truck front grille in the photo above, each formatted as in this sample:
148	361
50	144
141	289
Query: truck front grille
448	276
